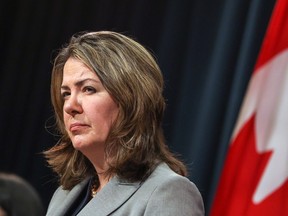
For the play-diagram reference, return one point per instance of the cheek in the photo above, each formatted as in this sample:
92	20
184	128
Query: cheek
114	111
105	114
65	120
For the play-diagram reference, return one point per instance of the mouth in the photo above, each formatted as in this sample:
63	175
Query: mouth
77	126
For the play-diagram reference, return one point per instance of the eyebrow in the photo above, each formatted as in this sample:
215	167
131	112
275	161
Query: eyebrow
80	83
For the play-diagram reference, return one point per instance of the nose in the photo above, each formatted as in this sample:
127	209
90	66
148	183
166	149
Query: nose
72	105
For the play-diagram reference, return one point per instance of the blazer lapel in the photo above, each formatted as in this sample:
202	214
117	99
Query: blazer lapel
66	199
111	197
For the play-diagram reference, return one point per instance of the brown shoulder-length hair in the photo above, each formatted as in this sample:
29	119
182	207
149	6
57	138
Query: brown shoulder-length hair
135	144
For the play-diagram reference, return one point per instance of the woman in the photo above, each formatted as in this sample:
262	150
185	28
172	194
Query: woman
106	90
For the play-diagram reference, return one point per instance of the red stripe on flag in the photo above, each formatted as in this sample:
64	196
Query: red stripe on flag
276	38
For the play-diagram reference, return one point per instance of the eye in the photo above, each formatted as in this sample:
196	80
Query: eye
89	89
65	94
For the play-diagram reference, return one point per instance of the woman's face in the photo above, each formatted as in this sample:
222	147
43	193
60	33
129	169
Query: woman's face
88	109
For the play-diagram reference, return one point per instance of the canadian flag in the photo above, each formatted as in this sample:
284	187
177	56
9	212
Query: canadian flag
254	180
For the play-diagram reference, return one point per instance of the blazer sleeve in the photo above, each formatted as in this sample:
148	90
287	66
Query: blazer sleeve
176	196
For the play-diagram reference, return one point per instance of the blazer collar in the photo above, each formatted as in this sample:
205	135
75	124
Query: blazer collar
111	197
66	198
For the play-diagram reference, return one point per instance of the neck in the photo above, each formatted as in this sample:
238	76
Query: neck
98	184
98	160
101	167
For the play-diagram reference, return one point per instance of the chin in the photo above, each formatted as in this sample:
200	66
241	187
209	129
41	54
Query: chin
79	144
83	146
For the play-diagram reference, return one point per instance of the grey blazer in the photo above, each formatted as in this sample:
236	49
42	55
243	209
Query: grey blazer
163	193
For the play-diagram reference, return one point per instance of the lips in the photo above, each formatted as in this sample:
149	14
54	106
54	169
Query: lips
77	126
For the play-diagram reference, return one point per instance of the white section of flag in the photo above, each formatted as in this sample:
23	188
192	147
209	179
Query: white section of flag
267	96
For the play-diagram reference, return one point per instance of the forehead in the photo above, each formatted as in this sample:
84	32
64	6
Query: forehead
76	69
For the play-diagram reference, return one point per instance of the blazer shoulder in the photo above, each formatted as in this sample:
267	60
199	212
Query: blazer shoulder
164	174
173	194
